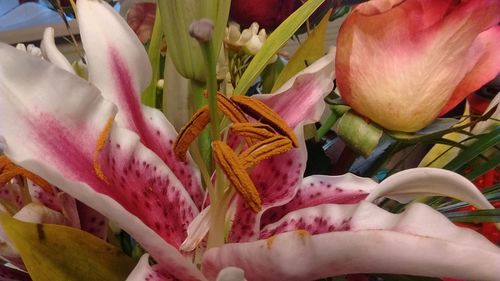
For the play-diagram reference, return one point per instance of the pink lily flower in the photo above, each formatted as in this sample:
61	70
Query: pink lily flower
95	141
402	63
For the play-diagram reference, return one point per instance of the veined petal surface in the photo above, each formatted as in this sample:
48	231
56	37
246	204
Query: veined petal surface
66	125
119	66
419	241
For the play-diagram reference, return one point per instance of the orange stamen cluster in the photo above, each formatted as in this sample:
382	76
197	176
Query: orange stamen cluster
9	170
268	137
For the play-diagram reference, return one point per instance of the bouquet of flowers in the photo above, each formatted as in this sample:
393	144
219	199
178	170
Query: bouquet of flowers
184	145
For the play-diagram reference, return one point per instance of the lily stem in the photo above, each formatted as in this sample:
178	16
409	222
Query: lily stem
216	234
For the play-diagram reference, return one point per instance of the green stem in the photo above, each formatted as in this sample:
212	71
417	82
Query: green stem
326	126
149	97
196	101
210	58
218	209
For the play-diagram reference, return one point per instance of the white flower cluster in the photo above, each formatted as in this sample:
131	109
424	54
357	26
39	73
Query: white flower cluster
250	40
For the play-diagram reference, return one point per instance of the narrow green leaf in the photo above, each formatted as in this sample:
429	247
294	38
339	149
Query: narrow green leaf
149	95
488	165
311	50
274	42
482	144
475	216
55	252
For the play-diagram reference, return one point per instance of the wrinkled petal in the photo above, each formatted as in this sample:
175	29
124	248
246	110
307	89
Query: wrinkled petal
119	66
51	53
419	52
278	177
419	241
317	190
420	182
116	175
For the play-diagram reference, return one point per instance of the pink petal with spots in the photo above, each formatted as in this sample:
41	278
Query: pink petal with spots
69	209
58	201
11	274
119	66
63	122
48	199
419	241
11	197
317	190
277	180
92	221
300	99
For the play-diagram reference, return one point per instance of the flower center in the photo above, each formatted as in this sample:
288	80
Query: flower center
267	137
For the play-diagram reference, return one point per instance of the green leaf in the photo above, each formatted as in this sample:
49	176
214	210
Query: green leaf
55	252
483	143
482	169
149	96
311	50
274	42
478	216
